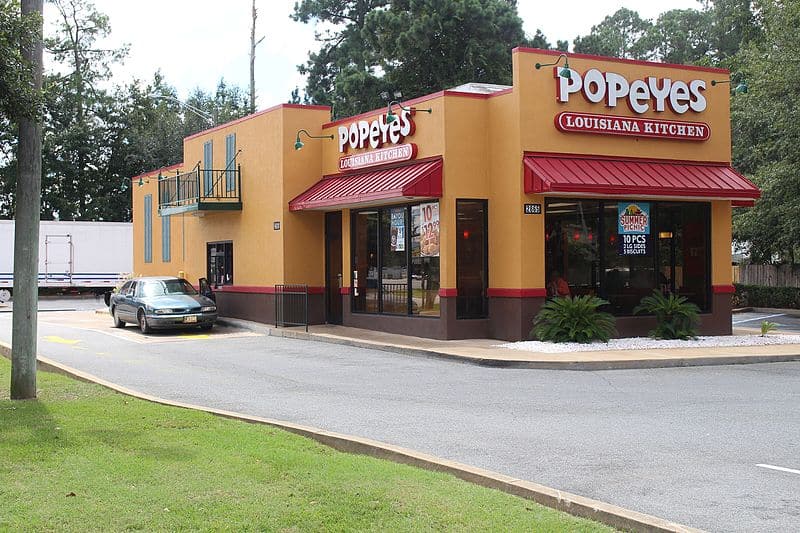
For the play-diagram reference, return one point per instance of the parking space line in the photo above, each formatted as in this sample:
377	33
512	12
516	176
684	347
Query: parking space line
758	318
779	468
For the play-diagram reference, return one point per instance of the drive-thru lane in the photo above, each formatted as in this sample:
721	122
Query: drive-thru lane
685	444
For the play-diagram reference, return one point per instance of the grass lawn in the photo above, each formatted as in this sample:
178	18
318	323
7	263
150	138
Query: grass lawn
83	458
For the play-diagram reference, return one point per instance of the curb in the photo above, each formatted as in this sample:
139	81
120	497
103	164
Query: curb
573	504
619	364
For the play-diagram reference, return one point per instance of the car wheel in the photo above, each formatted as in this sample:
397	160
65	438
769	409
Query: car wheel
117	322
142	319
206	327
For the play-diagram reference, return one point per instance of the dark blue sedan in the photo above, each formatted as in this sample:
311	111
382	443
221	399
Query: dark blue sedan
163	302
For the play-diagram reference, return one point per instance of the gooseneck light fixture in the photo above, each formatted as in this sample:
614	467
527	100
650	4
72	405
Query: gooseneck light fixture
391	116
741	87
298	144
565	71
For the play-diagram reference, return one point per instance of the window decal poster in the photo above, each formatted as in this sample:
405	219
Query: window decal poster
429	229
633	226
398	229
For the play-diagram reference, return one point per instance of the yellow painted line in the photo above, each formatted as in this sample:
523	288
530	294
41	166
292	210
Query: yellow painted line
60	340
197	336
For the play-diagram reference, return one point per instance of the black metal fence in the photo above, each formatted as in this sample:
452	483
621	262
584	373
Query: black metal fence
291	305
200	185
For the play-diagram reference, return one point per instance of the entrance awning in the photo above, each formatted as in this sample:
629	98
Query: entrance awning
407	182
570	174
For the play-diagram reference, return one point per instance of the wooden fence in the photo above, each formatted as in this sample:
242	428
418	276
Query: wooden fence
767	275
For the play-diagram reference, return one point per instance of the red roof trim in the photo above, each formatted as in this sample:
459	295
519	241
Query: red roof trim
566	155
418	180
571	55
723	289
261	289
633	177
448	293
162	169
256	114
516	293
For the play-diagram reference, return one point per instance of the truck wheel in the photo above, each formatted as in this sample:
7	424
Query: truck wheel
117	322
143	327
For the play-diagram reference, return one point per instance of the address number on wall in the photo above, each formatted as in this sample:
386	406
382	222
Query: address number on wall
533	209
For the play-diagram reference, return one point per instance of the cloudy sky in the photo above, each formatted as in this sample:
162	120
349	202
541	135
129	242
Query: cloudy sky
197	42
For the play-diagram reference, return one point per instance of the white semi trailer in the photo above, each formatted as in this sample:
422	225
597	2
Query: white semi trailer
73	254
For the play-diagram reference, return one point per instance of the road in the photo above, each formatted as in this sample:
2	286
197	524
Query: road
683	443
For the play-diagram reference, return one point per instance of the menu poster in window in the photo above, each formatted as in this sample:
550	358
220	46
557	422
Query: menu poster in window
634	228
429	229
398	229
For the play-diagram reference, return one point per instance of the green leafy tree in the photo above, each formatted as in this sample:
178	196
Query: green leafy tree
343	72
17	97
681	36
734	25
766	133
429	45
618	35
408	46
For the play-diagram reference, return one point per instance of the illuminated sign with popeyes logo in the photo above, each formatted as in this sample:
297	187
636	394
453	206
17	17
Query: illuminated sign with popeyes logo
375	135
649	94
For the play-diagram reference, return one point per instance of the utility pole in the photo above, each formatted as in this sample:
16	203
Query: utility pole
253	45
26	228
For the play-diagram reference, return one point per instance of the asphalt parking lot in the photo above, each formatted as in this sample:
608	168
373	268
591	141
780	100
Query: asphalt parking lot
785	323
709	447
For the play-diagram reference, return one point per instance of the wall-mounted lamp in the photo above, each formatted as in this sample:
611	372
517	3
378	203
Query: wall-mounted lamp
142	181
565	72
298	144
741	87
391	117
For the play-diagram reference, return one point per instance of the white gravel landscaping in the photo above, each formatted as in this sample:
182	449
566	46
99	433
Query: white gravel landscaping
646	343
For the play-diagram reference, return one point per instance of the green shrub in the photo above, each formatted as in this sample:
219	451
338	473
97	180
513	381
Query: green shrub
573	320
676	317
762	296
767	326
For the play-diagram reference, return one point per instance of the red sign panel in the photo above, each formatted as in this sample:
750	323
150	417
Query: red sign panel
632	126
392	154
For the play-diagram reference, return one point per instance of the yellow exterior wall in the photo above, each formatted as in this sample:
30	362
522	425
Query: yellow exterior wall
482	141
721	271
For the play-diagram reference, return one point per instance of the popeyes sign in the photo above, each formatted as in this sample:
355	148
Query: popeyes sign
375	135
640	96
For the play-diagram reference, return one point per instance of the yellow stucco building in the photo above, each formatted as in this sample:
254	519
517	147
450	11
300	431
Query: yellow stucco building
460	212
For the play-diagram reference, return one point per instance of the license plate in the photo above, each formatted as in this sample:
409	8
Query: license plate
189	319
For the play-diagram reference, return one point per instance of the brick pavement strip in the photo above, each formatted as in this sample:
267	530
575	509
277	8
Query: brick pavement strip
563	501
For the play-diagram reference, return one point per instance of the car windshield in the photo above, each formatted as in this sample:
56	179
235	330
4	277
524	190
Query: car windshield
167	286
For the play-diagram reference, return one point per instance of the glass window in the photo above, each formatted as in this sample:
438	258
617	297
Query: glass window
365	262
394	264
220	262
571	249
472	278
148	228
385	242
671	254
424	264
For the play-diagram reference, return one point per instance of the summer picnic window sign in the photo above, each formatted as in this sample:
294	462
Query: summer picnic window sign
633	227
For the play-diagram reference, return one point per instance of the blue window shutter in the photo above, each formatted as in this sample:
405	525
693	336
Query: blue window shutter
148	228
230	153
166	255
208	164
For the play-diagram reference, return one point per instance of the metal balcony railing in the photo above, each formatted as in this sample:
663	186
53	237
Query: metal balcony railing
201	189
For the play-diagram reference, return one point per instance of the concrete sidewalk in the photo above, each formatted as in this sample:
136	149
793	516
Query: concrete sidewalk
487	352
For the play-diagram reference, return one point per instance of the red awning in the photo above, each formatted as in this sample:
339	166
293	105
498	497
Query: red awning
418	180
634	177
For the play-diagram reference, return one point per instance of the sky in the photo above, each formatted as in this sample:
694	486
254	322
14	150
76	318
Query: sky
196	42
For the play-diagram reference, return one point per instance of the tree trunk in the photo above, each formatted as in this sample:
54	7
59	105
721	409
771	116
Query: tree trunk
26	232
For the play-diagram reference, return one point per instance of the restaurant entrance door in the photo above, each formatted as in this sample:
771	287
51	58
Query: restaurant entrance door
333	267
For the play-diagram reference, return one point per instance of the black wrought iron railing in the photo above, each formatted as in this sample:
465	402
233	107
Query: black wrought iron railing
291	305
203	188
